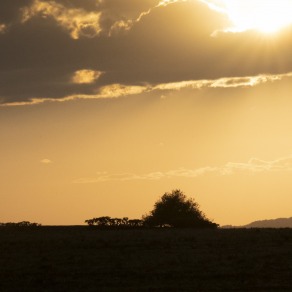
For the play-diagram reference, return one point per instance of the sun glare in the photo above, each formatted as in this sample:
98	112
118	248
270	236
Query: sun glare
267	16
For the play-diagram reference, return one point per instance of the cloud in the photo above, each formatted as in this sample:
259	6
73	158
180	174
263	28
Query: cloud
181	172
46	161
246	81
90	17
111	91
258	165
127	24
77	22
230	82
254	165
120	90
85	76
157	45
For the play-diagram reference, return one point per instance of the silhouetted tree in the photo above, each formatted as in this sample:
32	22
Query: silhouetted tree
103	221
90	222
135	223
176	210
20	224
107	222
125	221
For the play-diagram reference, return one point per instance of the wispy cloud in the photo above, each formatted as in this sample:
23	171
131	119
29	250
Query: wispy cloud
77	22
120	90
46	161
254	165
105	92
258	165
164	3
228	82
129	23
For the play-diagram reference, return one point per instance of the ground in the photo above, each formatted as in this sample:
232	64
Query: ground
87	259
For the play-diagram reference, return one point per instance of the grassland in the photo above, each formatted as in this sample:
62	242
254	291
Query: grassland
86	259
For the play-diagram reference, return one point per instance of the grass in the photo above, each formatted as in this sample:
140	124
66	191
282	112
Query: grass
86	259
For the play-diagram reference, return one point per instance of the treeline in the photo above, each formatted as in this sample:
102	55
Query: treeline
108	222
173	209
20	224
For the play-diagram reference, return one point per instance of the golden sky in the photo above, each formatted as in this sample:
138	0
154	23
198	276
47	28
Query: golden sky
105	105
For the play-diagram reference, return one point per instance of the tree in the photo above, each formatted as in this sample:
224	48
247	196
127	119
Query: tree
176	210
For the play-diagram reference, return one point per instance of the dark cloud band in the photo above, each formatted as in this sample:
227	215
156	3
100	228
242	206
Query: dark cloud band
130	43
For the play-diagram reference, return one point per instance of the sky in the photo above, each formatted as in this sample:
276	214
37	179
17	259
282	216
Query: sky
105	105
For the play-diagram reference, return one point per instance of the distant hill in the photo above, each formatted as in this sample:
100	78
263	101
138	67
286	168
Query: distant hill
272	223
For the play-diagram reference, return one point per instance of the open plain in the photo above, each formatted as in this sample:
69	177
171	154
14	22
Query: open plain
80	258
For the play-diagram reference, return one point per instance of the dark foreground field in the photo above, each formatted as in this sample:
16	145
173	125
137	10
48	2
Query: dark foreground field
84	259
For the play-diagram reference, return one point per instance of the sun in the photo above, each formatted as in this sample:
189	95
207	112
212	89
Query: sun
266	16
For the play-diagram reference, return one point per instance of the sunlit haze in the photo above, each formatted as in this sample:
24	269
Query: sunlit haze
268	16
106	105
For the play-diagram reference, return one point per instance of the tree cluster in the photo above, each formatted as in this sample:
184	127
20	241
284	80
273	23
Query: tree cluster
171	210
20	224
108	222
